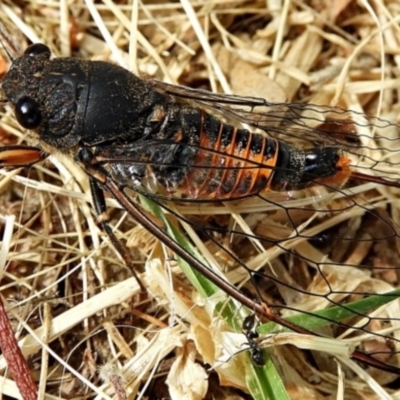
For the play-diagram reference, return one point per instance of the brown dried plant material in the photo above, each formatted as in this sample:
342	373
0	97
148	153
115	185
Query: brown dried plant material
337	7
246	79
109	373
187	379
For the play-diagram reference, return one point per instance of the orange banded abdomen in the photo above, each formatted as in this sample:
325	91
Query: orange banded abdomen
234	163
230	162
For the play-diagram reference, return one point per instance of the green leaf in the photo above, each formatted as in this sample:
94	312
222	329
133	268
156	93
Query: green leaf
265	383
322	318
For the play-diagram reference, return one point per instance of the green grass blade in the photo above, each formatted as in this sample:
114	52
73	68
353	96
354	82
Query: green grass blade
321	318
265	383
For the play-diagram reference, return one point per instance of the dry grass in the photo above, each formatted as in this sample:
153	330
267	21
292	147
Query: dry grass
80	318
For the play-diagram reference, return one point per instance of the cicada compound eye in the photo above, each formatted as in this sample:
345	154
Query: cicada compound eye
37	49
28	113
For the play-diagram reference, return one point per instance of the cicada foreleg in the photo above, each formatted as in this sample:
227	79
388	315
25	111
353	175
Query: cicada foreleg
19	156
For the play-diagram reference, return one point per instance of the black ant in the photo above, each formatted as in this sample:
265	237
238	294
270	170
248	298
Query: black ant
257	354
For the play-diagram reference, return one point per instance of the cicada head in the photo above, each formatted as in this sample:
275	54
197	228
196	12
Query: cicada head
44	101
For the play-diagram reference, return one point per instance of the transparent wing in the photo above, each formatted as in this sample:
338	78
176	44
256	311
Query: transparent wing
310	124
